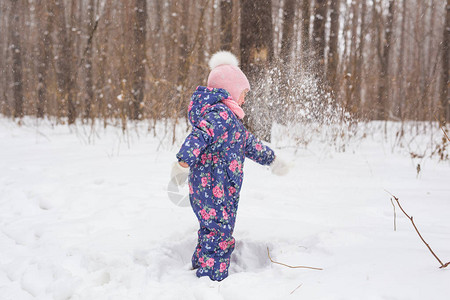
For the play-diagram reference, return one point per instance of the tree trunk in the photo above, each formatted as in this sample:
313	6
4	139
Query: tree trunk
256	36
16	52
139	58
445	104
4	66
75	46
430	47
226	30
64	66
256	57
360	59
353	56
88	61
318	36
202	67
333	53
401	95
171	57
288	31
44	52
103	80
306	7
183	64
383	87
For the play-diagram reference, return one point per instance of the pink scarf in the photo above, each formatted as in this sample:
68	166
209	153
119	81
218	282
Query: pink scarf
235	108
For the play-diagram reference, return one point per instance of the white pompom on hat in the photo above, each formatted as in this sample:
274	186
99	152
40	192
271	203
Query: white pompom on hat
225	74
223	58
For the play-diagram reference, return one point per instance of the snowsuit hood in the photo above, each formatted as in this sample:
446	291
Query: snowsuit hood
202	101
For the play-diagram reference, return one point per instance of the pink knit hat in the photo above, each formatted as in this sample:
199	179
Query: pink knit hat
225	74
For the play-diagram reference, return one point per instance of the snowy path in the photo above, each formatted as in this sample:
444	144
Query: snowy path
93	221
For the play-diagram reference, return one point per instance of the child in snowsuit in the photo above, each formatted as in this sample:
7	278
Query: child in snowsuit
214	152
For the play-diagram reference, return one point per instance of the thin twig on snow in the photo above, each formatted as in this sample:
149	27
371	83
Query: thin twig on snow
417	230
395	223
293	267
296	288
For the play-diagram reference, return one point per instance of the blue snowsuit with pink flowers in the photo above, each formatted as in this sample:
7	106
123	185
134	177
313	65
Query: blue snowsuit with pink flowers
215	151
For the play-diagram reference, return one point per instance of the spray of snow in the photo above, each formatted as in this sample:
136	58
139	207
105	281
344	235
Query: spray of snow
295	99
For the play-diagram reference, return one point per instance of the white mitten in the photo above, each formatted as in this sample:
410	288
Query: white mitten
179	174
279	167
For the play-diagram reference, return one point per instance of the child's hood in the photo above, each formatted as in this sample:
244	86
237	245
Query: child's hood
202	99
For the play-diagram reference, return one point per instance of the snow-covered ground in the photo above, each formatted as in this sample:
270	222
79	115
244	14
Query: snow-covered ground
86	215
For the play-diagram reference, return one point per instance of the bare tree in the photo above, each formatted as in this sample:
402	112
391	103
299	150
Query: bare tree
256	57
445	104
351	102
139	57
88	64
44	53
333	53
288	31
384	53
318	35
400	72
306	7
4	107
16	53
256	36
103	76
64	75
360	59
202	67
226	19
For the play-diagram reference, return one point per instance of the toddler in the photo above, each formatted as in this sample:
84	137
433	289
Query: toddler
213	156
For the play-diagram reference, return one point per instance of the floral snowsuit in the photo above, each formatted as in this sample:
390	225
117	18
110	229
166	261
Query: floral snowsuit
215	151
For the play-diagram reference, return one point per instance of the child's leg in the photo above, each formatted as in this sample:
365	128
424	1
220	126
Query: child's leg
216	216
216	244
195	256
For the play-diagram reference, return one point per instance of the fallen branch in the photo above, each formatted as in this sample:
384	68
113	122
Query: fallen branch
417	230
293	267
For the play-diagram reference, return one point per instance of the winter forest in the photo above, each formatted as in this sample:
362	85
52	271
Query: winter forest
352	96
376	59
